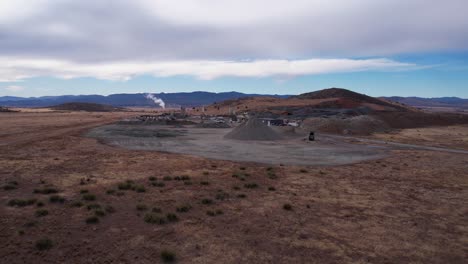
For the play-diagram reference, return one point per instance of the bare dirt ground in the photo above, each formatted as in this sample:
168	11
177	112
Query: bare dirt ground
451	136
407	208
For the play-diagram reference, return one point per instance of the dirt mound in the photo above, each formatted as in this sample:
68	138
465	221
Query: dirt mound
349	99
253	129
89	107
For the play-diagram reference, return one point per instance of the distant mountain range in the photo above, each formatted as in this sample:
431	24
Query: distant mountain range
128	100
449	102
196	99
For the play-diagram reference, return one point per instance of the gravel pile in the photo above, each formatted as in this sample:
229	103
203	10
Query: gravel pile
253	129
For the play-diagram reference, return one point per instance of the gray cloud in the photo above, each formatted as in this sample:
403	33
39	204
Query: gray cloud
166	30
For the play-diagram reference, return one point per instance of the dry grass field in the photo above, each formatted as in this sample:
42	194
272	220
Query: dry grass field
66	198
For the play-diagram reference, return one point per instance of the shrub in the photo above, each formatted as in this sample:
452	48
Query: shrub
56	199
21	203
287	207
183	208
39	204
99	213
93	206
219	212
92	220
141	207
185	178
188	183
210	213
42	212
110	192
242	168
241	195
177	178
272	175
140	189
269	169
167	256
204	183
158	184
109	209
303	171
89	197
167	178
30	224
271	188
206	173
124	186
156	210
84	191
221	196
207	201
76	204
44	244
236	187
46	190
250	185
9	187
152	218
152	178
172	217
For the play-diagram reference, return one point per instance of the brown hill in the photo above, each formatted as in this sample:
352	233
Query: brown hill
89	107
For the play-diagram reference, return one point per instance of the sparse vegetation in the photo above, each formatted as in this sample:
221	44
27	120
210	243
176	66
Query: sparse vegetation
46	190
167	256
250	185
99	213
221	196
152	178
214	213
21	202
183	208
206	173
109	209
41	212
158	184
56	199
156	210
167	178
303	171
84	191
188	183
141	207
44	244
271	188
89	197
236	188
207	201
39	204
241	195
76	204
204	183
185	178
10	186
92	220
110	192
172	217
93	206
153	218
287	207
140	189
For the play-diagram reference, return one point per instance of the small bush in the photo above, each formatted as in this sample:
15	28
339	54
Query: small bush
44	244
109	209
84	191
141	207
303	171
219	212
156	210
9	187
92	220
124	186
152	178
99	213
167	256
93	206
172	217
110	192
250	185
167	178
30	224
158	184
76	204
242	168
46	190
185	178
241	195
222	196
204	183
39	204
271	188
287	207
272	175
269	169
21	202
188	183
236	187
56	199
89	197
210	213
140	189
41	212
183	208
207	201
206	173
177	178
152	218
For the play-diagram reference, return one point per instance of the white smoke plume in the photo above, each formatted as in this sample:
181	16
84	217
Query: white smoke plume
156	100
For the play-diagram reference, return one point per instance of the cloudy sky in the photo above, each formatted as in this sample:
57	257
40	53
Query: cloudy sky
385	47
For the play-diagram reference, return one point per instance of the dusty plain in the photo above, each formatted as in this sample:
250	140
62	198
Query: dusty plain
409	207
